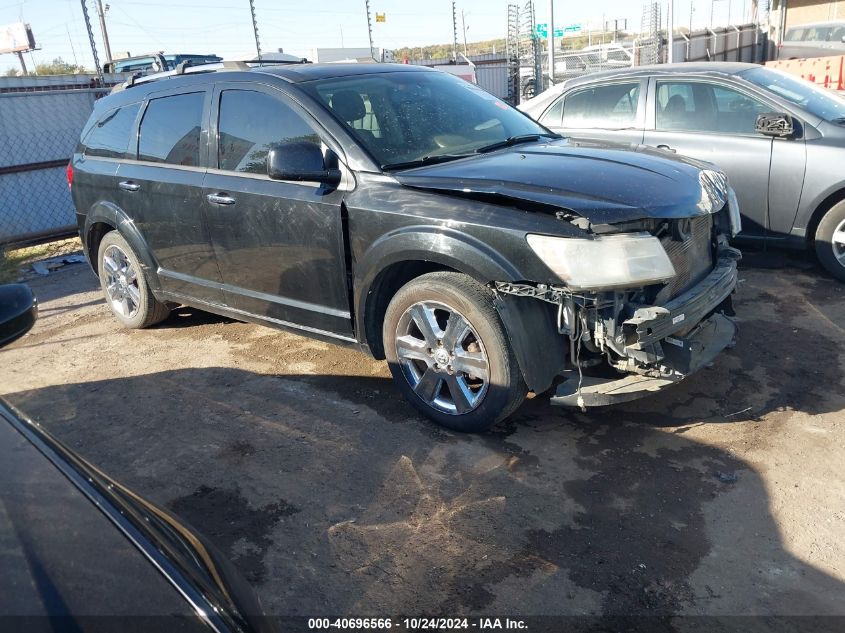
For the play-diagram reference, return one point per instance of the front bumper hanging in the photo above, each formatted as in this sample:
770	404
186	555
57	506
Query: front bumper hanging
685	348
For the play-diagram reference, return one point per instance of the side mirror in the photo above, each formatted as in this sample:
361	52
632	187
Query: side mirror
18	311
302	161
775	124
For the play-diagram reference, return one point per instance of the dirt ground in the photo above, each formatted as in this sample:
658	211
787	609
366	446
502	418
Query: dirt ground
300	460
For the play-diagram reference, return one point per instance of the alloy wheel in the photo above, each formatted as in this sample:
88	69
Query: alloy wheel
442	357
838	243
121	282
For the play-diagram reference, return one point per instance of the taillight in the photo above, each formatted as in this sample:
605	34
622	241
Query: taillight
69	172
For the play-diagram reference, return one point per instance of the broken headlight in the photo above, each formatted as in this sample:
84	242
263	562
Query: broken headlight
714	190
625	260
733	212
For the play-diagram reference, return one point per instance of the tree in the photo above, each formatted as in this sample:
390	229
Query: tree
11	72
59	67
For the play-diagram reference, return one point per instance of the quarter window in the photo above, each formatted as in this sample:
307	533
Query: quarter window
250	123
552	116
705	107
170	130
611	106
110	136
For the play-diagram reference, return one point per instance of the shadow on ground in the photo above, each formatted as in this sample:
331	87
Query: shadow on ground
336	505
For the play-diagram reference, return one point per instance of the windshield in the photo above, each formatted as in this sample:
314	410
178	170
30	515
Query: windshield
403	117
817	101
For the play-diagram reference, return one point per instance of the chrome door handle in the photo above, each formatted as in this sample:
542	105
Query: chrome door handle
667	148
220	198
128	185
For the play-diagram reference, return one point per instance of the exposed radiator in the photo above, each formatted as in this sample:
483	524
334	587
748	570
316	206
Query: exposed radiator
692	257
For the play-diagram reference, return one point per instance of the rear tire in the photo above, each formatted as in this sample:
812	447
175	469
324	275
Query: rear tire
124	285
830	241
449	353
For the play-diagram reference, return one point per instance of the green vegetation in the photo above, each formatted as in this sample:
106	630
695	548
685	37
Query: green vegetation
59	67
444	51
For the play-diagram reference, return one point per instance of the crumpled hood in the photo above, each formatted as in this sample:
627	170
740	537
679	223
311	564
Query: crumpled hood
605	183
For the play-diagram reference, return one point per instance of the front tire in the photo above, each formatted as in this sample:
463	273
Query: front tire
449	353
830	241
125	288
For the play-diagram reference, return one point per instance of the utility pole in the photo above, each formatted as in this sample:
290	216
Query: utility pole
464	25
255	30
454	33
671	32
23	64
691	11
102	14
551	47
91	40
370	28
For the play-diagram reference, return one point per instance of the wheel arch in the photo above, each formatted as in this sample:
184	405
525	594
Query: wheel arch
399	257
821	208
105	217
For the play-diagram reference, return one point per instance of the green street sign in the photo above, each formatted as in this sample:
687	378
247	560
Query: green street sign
542	30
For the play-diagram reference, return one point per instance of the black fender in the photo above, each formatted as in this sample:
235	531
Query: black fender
539	348
111	214
448	248
530	323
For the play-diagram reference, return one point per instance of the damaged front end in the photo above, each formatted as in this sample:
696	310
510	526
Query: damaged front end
642	306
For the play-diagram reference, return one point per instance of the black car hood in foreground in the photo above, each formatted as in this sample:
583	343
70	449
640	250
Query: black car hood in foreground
605	183
77	545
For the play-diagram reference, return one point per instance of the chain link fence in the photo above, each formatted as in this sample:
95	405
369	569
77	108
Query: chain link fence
41	122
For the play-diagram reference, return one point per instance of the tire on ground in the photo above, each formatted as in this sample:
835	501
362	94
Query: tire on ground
833	219
506	388
150	310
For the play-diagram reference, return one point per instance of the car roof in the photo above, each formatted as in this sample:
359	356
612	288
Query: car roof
713	68
138	88
810	25
308	72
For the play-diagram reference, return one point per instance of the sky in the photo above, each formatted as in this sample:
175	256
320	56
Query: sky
224	27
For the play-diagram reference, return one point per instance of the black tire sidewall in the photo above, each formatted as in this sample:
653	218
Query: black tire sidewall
113	238
484	320
824	238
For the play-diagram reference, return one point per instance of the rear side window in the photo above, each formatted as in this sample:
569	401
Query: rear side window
109	137
170	130
613	106
817	34
250	123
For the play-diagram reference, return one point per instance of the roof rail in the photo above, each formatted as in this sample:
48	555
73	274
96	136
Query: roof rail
181	66
185	67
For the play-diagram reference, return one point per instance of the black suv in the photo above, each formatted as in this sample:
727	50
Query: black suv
410	213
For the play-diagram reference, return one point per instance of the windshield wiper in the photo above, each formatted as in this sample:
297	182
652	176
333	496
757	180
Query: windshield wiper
515	140
425	160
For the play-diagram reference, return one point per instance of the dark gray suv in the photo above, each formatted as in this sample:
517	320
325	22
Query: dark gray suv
779	139
410	213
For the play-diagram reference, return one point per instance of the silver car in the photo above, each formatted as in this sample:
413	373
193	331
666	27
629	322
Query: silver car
820	39
780	139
